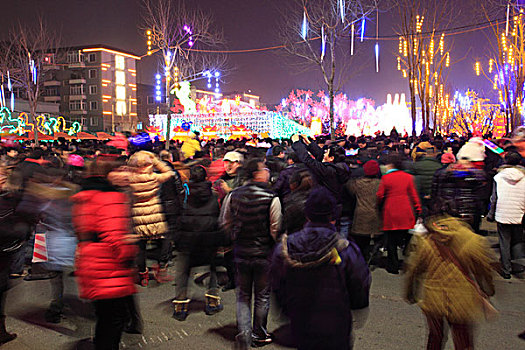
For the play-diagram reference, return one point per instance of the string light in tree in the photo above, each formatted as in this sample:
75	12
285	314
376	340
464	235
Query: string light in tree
342	10
323	43
477	68
363	29
352	34
149	42
217	76
10	88
304	28
189	33
207	74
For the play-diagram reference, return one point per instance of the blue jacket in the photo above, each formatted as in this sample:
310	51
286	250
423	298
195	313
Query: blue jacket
319	278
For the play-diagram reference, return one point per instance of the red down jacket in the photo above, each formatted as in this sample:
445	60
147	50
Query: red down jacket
399	200
101	217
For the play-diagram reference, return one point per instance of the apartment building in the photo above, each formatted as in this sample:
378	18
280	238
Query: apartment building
94	85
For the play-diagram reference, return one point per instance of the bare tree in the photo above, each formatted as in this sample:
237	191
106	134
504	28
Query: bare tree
335	23
24	56
183	36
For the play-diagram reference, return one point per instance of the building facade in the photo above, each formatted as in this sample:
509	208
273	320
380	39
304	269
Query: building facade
94	85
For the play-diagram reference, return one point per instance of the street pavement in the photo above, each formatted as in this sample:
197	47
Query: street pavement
392	324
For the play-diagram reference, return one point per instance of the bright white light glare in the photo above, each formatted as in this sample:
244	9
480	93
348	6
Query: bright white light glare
120	93
217	74
120	62
157	76
120	77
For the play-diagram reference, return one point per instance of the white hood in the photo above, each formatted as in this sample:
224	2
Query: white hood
512	175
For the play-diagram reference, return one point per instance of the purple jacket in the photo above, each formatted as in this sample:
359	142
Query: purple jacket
318	287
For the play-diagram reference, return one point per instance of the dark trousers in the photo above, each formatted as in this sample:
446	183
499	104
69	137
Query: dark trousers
230	266
163	255
253	277
5	261
510	236
363	242
394	239
112	317
57	294
462	334
182	273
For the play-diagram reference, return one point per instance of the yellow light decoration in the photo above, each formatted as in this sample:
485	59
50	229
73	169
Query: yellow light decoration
495	83
430	91
491	63
399	63
148	32
405	48
404	73
477	67
431	48
500	97
415	46
447	60
442	44
400	44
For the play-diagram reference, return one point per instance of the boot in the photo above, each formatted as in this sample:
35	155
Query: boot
213	304
135	325
144	278
54	313
181	309
161	274
4	336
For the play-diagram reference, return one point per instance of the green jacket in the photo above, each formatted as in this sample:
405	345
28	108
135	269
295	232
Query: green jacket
423	171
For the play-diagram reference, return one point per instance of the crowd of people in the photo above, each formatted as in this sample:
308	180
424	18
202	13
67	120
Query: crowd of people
304	218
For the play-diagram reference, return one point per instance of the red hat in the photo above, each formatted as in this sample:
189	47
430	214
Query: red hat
448	158
371	168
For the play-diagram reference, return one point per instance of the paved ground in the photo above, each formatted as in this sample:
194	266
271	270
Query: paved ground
392	323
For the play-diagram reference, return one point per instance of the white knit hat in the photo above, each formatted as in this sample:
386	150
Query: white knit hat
473	150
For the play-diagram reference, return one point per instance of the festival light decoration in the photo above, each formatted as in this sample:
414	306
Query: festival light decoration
342	10
158	92
352	35
377	57
363	28
304	27
505	67
189	33
323	43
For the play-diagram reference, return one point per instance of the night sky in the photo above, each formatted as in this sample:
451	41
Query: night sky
246	24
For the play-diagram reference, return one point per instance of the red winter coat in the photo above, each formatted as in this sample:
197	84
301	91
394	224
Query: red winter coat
397	196
101	217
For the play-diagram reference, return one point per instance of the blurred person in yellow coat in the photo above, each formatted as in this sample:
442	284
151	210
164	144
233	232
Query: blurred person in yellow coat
190	146
449	274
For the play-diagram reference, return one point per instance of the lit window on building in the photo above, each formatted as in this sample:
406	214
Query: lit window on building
120	62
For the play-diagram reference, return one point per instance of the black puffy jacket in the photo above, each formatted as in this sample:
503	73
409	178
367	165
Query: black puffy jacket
198	222
250	208
329	175
460	191
171	193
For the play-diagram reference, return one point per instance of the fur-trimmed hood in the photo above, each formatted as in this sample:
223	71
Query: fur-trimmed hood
314	245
